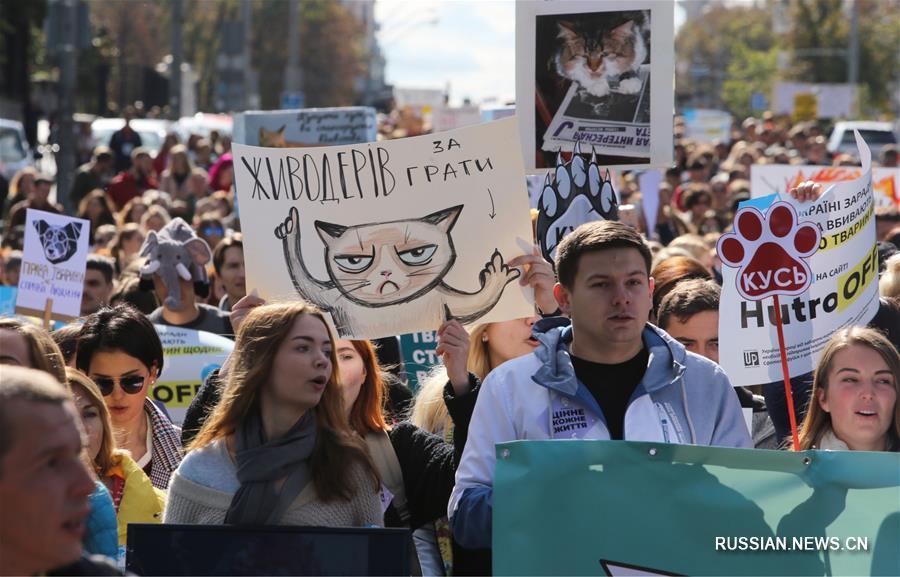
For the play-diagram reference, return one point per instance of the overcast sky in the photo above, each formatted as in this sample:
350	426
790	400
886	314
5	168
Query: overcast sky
468	44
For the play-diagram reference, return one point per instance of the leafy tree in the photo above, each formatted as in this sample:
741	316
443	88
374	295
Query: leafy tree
331	53
819	43
707	46
818	40
748	71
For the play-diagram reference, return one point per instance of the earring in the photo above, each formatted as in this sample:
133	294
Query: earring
484	337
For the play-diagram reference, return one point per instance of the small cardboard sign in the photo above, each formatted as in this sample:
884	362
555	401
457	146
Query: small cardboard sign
53	261
306	127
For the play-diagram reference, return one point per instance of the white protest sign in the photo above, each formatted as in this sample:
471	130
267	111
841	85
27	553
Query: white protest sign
844	287
53	262
444	118
306	127
390	237
600	96
832	100
189	357
766	179
705	125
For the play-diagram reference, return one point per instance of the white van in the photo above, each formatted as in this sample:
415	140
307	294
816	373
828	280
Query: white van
876	135
15	154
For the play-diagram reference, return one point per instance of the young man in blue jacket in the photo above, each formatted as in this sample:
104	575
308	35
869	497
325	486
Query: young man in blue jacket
607	374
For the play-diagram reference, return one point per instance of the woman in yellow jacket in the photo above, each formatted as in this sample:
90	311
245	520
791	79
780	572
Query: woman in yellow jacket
134	496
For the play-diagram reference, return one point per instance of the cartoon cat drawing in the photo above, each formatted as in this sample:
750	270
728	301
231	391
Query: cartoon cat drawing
275	139
397	267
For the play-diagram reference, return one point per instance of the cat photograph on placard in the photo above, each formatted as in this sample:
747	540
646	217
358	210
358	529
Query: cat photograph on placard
276	139
381	272
605	54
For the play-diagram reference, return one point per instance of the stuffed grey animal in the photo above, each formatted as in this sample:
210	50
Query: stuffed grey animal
176	252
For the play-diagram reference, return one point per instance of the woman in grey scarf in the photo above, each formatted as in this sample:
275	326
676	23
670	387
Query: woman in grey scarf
277	448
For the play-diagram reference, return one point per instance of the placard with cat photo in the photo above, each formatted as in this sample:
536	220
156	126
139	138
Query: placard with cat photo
390	237
306	127
599	74
54	257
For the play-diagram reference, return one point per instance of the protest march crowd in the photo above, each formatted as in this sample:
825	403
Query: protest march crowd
298	427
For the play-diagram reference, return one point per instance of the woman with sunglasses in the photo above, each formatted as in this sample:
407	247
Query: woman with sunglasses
212	230
118	348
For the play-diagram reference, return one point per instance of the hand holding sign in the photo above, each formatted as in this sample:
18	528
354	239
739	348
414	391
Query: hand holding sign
769	252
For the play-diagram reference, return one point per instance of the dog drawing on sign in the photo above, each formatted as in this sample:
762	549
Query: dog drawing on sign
59	242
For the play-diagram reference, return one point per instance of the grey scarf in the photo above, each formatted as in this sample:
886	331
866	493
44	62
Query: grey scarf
262	462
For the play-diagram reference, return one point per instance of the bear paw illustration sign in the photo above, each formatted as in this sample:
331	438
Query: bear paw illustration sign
769	251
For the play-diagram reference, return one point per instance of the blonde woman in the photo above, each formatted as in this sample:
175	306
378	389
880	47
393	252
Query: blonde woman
854	397
135	498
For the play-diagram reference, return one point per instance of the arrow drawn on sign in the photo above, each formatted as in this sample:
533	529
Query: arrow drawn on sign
493	213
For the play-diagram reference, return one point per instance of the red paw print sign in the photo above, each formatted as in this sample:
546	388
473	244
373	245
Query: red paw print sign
769	251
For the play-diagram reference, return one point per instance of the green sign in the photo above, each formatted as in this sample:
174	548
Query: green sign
419	356
626	508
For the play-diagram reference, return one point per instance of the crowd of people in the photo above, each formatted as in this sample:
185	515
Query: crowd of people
298	427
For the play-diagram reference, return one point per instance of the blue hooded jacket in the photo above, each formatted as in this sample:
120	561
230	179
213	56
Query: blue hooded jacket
682	398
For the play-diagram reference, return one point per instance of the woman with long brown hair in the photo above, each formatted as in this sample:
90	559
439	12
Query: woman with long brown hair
277	448
96	208
854	396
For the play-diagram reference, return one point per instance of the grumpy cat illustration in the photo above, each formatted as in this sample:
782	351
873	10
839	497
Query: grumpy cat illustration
398	265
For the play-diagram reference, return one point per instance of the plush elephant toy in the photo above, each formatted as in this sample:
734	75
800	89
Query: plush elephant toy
175	253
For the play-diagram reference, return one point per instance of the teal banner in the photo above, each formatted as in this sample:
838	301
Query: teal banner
626	508
419	356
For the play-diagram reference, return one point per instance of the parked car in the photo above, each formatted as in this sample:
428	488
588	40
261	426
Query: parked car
876	135
203	123
15	153
152	131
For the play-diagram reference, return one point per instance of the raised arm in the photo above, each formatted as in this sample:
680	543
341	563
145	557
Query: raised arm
307	286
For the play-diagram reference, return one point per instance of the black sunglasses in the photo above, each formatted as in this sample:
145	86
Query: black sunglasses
131	385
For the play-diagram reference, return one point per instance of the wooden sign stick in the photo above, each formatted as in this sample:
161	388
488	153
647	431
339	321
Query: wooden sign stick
48	310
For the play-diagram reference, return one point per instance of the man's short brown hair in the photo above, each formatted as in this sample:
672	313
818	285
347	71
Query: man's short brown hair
596	236
236	240
688	298
23	384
